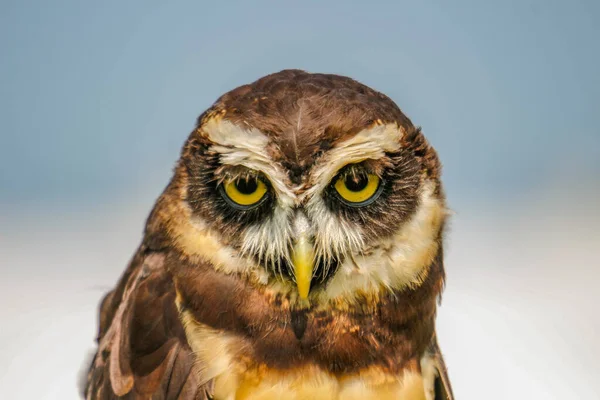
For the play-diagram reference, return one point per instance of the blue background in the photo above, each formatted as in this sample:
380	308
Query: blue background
98	97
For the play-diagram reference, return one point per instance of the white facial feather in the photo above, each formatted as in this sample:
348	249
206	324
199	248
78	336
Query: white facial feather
369	144
248	148
271	239
334	237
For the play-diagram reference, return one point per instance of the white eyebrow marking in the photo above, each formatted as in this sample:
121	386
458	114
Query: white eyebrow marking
368	144
248	148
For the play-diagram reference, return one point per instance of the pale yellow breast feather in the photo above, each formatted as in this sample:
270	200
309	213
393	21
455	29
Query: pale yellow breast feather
237	378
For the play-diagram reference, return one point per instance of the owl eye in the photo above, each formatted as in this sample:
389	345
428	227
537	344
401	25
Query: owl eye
244	193
358	190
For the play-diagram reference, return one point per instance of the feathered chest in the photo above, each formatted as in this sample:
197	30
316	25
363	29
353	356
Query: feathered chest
259	343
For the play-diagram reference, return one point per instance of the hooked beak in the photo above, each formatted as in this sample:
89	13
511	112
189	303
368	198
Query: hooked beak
303	255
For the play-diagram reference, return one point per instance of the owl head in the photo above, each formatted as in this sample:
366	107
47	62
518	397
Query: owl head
314	184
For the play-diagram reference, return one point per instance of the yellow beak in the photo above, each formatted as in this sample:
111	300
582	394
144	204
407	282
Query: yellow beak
302	260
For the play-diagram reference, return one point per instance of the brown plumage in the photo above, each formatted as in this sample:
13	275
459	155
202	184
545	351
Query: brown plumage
208	307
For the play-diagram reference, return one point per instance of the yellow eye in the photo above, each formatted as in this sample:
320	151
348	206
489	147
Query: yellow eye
358	189
245	192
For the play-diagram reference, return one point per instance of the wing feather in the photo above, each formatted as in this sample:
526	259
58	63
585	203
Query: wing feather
142	350
442	387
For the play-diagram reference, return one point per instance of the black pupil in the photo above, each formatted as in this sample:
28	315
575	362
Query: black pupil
356	183
246	186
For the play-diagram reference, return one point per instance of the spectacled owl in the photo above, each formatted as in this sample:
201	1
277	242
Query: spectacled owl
295	254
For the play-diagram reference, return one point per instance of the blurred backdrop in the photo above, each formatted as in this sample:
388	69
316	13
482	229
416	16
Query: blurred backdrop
97	98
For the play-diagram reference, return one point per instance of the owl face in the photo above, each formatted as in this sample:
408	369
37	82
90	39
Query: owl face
321	185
